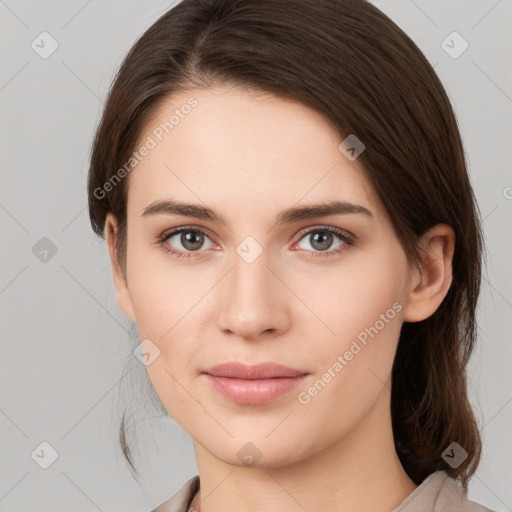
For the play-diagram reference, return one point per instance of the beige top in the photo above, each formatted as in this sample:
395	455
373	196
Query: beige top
437	493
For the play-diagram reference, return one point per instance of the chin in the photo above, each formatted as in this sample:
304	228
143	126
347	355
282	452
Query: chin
258	451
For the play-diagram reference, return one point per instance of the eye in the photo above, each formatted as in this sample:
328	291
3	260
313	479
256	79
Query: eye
322	238
190	239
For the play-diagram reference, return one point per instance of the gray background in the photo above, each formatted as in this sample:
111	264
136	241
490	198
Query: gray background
64	340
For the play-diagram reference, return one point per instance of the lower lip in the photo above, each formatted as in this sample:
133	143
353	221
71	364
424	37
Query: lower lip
256	391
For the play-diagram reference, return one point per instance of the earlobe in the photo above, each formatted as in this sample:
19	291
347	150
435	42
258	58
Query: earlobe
122	292
430	284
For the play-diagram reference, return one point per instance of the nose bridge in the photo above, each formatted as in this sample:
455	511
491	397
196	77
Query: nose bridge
251	303
251	275
250	261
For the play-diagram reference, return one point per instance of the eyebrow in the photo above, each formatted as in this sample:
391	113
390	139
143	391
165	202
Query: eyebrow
289	215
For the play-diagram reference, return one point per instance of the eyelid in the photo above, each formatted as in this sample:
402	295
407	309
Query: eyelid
174	231
346	236
333	229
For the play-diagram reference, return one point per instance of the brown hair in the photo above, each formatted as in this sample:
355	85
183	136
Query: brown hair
350	62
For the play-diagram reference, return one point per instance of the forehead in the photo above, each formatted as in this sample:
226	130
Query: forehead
229	147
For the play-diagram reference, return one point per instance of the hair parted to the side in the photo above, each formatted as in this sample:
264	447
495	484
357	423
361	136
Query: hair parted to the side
350	62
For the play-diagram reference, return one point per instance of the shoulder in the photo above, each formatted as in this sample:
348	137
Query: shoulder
439	493
180	501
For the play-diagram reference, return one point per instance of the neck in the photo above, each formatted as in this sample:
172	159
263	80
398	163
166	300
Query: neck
360	472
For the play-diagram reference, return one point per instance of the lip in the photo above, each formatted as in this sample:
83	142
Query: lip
237	370
253	384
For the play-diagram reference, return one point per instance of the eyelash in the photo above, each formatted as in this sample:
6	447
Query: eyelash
348	241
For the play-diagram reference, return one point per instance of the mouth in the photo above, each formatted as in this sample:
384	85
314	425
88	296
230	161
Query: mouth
253	384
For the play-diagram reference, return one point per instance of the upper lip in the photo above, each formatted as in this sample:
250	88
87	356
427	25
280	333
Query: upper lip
237	370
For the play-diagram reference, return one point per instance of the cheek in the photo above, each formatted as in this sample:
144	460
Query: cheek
354	370
365	295
163	292
165	302
360	357
365	312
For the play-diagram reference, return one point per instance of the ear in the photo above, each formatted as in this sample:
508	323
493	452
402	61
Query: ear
122	293
429	285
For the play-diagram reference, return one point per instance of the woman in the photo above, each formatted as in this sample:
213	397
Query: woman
283	189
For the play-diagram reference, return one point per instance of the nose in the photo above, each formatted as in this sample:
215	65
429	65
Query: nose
253	301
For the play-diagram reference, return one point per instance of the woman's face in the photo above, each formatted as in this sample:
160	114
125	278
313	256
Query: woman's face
261	285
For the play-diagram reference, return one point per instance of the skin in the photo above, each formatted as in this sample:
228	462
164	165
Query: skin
248	156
